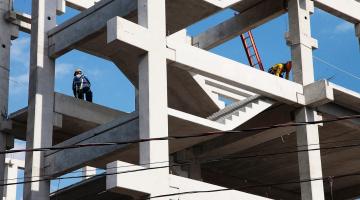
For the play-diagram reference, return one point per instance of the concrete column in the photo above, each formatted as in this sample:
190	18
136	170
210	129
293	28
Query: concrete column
309	161
301	41
5	43
302	45
41	98
357	31
153	93
11	177
88	172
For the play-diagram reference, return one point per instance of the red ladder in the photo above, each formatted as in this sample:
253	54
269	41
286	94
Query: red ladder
252	52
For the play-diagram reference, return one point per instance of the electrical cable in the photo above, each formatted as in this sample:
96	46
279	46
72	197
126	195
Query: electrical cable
48	178
211	159
337	68
207	157
203	134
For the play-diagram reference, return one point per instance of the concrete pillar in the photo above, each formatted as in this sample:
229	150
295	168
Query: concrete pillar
153	93
11	177
88	172
301	41
302	45
41	98
309	161
357	32
5	43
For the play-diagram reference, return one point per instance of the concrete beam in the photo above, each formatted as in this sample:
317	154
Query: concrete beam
318	93
41	99
232	181
21	20
223	3
62	38
233	73
80	4
345	9
241	23
128	183
122	129
338	111
67	105
217	151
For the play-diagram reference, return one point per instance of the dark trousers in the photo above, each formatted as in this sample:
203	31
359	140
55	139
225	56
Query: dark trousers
87	92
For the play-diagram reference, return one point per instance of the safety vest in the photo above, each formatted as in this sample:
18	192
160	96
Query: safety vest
81	82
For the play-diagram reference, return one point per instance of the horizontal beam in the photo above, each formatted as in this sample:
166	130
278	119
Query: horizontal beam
79	109
223	3
62	161
234	73
128	183
62	38
80	4
241	23
339	111
22	20
247	142
318	93
346	9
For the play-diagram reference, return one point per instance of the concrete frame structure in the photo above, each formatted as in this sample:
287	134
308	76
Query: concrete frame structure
178	83
11	176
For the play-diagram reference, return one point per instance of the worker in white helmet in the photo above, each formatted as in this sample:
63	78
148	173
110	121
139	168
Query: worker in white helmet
81	86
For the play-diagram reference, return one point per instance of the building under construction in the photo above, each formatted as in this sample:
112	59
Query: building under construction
182	141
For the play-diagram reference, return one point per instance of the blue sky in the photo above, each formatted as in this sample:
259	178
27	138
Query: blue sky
337	46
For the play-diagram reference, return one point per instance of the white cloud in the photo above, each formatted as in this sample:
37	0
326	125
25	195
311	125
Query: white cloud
344	27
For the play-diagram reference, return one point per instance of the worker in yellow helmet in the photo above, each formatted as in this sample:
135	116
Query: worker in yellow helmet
280	69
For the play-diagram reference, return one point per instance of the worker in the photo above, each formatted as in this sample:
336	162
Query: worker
280	69
81	85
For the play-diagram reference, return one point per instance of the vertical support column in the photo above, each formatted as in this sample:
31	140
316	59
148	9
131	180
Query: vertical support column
301	41
11	177
88	172
41	99
302	45
357	32
153	93
5	43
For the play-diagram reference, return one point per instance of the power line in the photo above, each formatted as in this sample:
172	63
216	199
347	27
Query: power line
182	163
194	192
227	157
337	68
231	158
204	134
